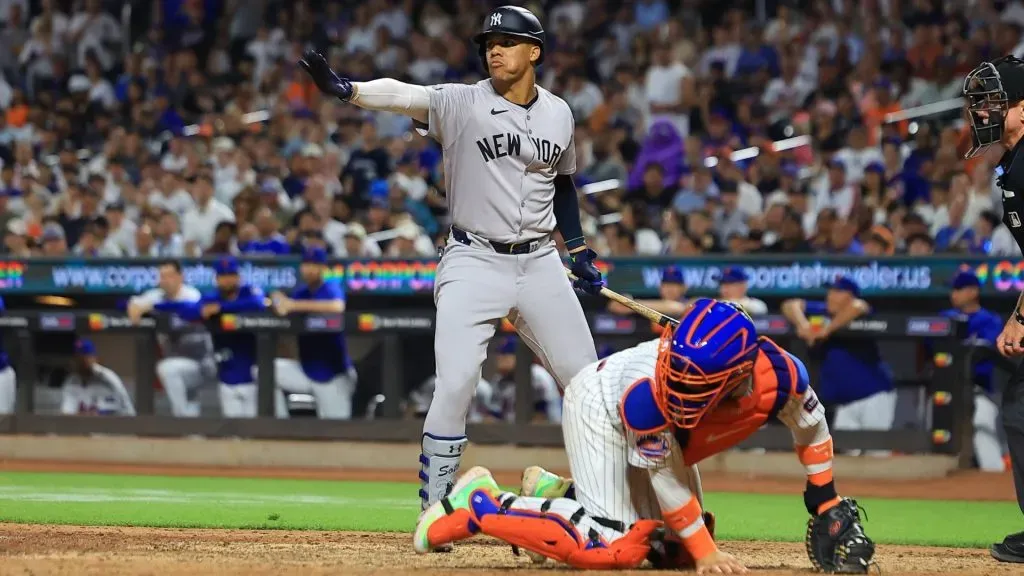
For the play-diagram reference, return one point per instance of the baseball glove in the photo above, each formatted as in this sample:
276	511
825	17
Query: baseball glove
836	543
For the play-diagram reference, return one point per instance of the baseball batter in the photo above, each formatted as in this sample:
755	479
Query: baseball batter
508	159
7	380
187	364
634	423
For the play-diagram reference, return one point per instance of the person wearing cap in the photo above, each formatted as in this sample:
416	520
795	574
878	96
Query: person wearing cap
732	287
547	405
853	377
235	351
269	241
53	240
983	327
832	190
358	245
187	363
994	98
672	292
7	376
324	368
93	389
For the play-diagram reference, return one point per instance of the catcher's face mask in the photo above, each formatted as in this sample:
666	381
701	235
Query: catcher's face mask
987	107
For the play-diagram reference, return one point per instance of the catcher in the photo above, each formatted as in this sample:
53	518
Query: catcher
635	423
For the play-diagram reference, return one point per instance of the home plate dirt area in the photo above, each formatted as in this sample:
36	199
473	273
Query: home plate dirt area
115	551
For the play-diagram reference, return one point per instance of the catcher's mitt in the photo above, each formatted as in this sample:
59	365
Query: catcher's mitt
836	543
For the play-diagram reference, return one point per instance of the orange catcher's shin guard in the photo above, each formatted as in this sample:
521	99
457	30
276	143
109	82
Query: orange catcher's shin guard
555	537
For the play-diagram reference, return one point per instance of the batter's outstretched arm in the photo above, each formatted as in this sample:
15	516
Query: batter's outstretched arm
389	95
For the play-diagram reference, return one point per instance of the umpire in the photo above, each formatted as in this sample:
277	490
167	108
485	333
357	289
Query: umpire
994	94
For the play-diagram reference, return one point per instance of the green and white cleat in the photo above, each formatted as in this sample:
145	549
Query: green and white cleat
451	519
539	483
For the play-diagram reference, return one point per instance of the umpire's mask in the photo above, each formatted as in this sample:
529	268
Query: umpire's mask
989	90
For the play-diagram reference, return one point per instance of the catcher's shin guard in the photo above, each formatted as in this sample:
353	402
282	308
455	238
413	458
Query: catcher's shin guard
450	519
553	536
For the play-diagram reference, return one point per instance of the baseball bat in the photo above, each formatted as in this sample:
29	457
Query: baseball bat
649	313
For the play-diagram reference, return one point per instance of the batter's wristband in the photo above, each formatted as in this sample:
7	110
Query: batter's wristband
575	243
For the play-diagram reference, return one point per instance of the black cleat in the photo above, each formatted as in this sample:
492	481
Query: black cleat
1011	549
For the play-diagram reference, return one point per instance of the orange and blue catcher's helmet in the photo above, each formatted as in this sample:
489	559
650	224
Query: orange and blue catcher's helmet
703	359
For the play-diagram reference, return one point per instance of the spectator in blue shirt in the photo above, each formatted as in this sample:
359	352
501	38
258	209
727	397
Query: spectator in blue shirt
270	242
853	376
983	328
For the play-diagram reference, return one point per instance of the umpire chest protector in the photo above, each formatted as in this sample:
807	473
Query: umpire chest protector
1010	178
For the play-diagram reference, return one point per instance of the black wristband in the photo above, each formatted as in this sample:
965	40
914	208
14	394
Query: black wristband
815	496
1018	316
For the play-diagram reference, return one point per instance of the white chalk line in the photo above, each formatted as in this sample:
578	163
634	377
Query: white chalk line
72	494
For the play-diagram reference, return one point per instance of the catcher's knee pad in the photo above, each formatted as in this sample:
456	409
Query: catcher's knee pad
554	537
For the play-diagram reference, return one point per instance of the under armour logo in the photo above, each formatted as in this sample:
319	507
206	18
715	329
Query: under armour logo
1014	220
452	448
496	19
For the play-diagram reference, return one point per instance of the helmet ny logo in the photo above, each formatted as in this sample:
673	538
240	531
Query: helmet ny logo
496	19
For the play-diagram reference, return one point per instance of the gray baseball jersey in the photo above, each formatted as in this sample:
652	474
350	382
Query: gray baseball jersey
501	159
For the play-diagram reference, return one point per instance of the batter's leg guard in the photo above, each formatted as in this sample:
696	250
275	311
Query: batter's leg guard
439	465
559	529
451	518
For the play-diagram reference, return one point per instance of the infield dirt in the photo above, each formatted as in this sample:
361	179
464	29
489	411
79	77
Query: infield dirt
73	550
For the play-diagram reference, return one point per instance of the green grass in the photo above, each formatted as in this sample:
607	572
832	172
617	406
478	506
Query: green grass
189	502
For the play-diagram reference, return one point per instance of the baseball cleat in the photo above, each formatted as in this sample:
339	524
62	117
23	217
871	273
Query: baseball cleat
451	519
539	483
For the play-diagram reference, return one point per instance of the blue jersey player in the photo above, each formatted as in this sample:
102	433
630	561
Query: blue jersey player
853	376
983	328
7	387
235	351
324	368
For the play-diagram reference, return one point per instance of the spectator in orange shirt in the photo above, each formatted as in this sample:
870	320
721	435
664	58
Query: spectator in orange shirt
874	116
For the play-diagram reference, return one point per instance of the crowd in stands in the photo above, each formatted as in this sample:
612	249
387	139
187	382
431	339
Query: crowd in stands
185	128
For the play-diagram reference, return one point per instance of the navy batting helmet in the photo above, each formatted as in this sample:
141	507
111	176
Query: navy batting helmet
513	21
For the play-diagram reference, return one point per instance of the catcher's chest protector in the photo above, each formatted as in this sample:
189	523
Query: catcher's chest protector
774	380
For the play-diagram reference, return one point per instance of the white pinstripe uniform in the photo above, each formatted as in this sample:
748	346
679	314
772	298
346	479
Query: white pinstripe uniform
621	475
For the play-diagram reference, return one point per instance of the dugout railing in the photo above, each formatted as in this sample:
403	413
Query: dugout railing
949	385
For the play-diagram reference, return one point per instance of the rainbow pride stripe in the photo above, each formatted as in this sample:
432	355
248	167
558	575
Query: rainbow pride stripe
12	275
1006	275
398	275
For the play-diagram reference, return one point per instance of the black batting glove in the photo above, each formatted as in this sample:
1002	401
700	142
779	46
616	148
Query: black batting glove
326	80
588	277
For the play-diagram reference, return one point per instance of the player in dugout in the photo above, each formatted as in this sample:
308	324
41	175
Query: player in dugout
853	376
733	284
983	327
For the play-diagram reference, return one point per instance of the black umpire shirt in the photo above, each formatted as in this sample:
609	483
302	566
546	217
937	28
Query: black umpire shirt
1011	181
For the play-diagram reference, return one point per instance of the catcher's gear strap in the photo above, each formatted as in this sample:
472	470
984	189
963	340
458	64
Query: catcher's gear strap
688	522
836	542
818	499
558	538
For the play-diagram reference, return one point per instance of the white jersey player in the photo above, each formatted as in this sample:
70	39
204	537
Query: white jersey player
188	363
93	389
635	425
509	156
